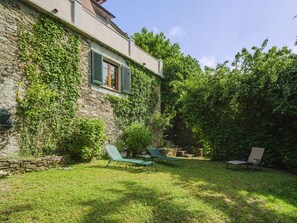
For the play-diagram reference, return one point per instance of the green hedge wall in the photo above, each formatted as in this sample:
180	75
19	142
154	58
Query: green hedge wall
253	103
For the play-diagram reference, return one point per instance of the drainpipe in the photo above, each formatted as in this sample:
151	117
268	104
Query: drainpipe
160	67
131	48
76	12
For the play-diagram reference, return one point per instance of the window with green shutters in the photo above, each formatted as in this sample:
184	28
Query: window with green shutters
97	68
106	74
126	80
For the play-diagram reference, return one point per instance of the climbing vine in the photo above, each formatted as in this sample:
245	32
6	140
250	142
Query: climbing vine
141	104
46	107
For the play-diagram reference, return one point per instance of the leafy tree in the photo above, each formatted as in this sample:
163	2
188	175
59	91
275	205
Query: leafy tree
253	103
177	67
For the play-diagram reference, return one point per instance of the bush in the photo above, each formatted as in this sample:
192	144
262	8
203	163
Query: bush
252	103
87	139
158	124
137	137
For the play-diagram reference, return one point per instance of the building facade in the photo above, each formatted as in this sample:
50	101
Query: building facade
104	52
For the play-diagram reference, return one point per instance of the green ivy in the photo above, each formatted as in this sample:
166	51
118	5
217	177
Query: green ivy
141	104
47	105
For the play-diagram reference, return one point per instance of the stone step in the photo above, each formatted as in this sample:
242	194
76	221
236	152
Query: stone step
3	173
181	153
184	153
189	155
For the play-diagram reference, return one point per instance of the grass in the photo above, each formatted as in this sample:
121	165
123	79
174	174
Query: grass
202	191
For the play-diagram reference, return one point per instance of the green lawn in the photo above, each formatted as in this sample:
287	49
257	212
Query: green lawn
202	191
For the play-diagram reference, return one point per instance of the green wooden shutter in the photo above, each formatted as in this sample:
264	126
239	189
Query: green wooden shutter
126	80
97	68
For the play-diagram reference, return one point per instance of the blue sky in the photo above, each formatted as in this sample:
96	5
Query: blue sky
211	30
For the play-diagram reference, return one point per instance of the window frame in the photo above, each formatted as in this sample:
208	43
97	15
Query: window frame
97	79
117	75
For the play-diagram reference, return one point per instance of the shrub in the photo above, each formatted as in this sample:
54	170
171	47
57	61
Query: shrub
87	139
158	124
252	103
137	137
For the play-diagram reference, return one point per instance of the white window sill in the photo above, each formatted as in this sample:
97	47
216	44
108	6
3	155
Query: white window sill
105	90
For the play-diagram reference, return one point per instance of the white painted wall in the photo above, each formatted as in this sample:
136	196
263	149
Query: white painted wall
69	12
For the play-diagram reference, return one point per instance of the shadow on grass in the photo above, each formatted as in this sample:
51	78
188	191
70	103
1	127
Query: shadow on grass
244	195
122	167
5	213
240	196
144	204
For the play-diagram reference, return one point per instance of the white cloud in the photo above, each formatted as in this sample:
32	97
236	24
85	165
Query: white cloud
177	31
209	61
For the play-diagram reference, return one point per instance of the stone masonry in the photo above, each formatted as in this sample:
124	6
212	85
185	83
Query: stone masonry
12	17
92	103
15	15
8	167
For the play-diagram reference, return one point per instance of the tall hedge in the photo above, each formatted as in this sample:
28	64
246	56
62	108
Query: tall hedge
251	103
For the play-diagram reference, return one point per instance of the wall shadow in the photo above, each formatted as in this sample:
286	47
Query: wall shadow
5	213
242	196
161	210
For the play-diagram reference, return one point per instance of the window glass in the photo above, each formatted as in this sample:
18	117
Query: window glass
105	74
110	75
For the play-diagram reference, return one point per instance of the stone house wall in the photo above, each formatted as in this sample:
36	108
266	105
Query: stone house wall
12	17
93	102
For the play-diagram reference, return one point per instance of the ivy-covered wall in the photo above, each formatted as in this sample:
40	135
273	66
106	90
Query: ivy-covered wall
143	101
48	71
13	15
47	106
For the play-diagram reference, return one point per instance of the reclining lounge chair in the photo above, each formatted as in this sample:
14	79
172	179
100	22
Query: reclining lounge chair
116	156
254	159
155	153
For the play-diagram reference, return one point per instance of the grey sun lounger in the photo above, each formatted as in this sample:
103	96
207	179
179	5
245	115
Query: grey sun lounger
254	159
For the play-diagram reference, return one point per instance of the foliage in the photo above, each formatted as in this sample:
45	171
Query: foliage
160	121
46	107
141	104
91	193
253	103
176	68
137	137
86	140
158	124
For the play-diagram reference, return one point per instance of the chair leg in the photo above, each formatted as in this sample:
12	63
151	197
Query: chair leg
108	163
259	166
